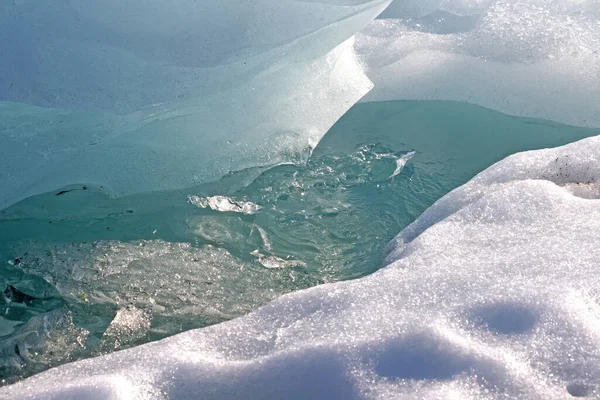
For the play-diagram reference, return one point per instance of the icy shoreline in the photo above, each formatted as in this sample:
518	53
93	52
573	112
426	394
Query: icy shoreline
491	293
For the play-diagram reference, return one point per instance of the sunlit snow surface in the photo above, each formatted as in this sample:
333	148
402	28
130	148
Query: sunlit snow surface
493	292
534	58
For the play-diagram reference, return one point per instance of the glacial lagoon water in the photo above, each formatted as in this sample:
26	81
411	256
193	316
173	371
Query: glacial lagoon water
97	274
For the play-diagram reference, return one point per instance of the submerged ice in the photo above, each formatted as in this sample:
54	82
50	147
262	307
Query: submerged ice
140	268
492	293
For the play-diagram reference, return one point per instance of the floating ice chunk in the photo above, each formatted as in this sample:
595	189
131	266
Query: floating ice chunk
225	204
130	323
401	162
264	237
273	262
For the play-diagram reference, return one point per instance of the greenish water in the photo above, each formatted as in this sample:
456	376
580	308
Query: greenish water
97	274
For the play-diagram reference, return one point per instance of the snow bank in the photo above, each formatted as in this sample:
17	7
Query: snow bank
492	293
536	58
141	97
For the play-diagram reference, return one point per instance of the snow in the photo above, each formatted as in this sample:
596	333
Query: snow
533	58
492	293
169	96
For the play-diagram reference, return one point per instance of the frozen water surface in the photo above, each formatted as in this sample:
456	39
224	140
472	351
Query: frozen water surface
163	168
167	95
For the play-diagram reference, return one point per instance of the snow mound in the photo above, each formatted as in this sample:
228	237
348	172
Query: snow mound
168	95
536	58
492	293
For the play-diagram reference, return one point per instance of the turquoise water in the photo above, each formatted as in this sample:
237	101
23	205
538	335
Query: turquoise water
100	274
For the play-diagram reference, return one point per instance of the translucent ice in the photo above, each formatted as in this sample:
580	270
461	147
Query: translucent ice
492	293
166	95
401	163
225	204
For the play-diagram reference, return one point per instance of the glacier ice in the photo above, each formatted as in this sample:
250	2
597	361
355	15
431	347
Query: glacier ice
161	97
534	58
492	293
168	95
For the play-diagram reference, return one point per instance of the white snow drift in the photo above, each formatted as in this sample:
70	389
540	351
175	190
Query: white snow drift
535	58
493	292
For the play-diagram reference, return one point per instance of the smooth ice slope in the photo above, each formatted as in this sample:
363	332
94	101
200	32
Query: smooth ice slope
493	292
534	58
161	95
